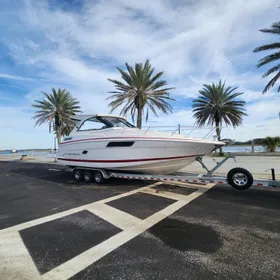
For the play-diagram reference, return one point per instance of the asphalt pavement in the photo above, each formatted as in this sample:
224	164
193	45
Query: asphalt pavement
52	227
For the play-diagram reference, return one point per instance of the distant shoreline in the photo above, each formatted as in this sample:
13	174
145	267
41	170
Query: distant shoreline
35	150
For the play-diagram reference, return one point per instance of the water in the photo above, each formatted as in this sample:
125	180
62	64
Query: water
27	152
245	149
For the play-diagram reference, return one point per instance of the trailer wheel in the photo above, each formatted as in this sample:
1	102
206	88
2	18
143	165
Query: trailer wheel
240	178
78	175
98	177
88	176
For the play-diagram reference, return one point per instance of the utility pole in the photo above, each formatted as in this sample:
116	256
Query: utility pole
55	148
54	142
179	128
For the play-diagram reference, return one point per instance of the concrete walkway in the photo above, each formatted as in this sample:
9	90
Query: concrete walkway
258	166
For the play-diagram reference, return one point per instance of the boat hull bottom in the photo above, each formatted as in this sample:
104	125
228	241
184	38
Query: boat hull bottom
157	167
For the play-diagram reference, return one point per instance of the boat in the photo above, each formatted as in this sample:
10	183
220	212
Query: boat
112	143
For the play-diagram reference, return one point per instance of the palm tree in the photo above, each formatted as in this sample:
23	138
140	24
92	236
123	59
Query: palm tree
216	105
56	110
140	90
275	29
271	143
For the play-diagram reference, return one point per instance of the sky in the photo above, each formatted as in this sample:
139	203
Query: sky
77	45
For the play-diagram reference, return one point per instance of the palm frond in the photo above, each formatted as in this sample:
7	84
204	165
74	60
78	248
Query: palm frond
275	28
272	82
268	59
270	71
267	47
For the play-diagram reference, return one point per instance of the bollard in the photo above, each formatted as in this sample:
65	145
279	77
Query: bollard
273	174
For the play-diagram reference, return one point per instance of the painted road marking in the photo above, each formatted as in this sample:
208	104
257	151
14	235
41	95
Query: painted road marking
114	216
166	194
16	263
15	258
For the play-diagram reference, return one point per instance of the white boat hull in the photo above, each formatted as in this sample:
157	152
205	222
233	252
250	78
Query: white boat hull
145	155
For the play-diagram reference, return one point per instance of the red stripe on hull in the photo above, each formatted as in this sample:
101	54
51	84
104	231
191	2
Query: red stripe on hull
126	160
133	137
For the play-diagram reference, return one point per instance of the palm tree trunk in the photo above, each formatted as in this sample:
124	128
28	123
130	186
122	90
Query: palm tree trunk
218	131
58	134
139	118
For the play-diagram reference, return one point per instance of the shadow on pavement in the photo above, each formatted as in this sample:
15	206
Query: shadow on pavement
184	236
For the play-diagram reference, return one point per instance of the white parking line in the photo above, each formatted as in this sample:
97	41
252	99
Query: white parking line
114	216
16	263
165	194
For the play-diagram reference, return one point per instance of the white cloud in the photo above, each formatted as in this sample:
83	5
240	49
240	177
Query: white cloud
11	77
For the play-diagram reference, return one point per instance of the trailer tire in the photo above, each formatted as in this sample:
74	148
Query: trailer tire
240	178
98	177
88	176
77	174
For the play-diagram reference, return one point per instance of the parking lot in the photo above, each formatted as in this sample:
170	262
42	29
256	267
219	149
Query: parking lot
54	228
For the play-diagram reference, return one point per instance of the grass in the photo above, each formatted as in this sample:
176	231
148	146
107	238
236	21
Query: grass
218	155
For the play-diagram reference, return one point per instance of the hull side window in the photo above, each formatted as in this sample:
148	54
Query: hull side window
120	144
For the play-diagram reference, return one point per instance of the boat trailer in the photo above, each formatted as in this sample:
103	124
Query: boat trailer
239	178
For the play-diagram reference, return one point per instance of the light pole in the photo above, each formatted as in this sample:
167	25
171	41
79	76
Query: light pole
54	142
55	148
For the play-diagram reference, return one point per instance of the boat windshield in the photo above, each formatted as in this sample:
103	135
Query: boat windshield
98	123
116	122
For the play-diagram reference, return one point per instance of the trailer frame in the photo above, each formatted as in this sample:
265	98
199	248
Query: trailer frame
237	177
